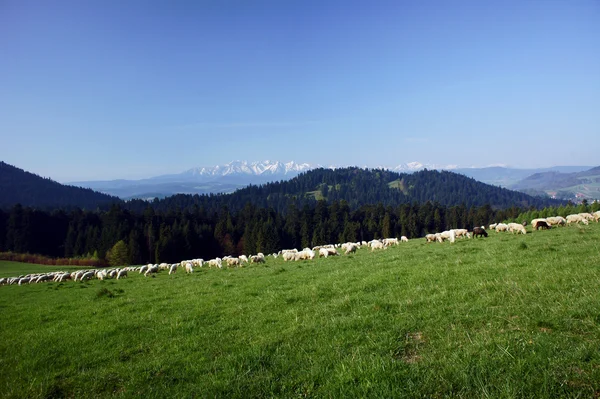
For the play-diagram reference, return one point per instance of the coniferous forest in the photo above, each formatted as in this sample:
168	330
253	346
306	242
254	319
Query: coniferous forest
156	236
317	207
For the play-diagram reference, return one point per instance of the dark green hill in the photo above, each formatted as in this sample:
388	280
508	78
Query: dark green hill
357	187
20	187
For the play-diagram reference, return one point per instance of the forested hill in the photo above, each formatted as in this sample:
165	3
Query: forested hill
20	187
357	187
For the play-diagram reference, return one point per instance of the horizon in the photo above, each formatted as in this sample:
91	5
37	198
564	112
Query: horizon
393	168
105	91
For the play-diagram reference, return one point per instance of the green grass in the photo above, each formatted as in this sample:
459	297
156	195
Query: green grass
317	194
399	184
506	316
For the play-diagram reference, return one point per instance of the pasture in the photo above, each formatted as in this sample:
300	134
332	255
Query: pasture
500	317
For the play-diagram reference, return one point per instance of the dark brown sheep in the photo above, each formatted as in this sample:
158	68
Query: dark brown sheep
478	231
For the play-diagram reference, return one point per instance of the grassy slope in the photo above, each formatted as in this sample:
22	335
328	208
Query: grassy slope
506	316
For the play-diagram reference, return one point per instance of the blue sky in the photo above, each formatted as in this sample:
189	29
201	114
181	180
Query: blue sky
130	89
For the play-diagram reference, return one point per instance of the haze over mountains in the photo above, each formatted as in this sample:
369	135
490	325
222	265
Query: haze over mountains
356	186
237	174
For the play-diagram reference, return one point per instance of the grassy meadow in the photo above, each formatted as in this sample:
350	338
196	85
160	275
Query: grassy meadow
502	317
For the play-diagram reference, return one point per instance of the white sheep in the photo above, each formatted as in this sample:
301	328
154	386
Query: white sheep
404	239
376	244
461	232
516	228
232	261
587	216
576	219
151	270
390	241
173	268
449	235
122	273
556	221
351	248
87	276
501	227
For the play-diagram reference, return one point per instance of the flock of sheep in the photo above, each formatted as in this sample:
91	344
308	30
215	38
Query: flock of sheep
293	254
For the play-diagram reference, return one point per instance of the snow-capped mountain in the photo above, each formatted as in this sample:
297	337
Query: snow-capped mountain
415	166
260	168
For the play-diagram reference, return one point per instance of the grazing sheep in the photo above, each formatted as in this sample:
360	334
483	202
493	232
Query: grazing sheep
430	237
479	232
501	227
461	232
576	219
556	221
122	273
305	254
376	244
349	245
404	239
449	235
586	215
87	276
258	258
516	228
350	250
173	268
232	261
493	226
390	241
244	258
151	270
542	224
215	263
288	256
163	266
534	223
596	216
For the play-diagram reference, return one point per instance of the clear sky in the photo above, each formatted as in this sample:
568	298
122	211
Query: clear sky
130	89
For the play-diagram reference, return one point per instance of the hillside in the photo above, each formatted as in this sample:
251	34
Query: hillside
585	184
28	189
358	187
502	317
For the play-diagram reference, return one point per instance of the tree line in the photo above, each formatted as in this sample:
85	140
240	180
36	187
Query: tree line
153	236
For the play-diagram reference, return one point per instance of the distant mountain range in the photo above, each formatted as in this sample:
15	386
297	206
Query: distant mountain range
237	174
356	186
